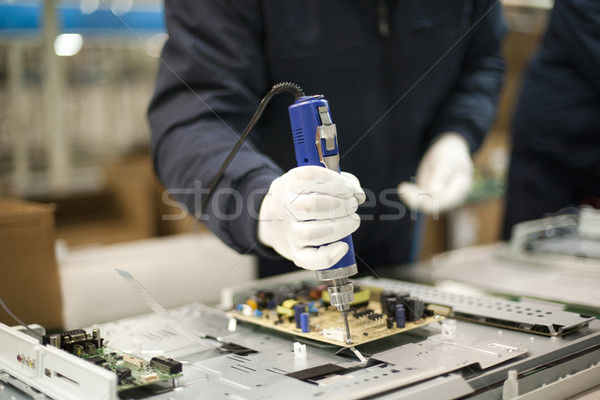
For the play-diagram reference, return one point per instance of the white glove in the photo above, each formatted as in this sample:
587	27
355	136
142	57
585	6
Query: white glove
310	206
444	177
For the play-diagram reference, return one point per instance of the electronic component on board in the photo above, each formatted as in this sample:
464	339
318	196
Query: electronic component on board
361	297
70	340
265	299
133	360
400	316
323	323
298	310
97	360
131	371
414	309
384	298
149	378
317	292
90	348
123	373
389	322
167	365
304	322
252	303
390	308
55	341
78	350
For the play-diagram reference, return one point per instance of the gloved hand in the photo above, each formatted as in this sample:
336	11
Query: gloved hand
310	206
444	176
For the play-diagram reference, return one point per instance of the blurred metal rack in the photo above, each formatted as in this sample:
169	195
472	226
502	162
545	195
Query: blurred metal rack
65	116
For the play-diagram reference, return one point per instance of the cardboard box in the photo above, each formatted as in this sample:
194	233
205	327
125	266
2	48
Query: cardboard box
124	210
130	207
29	281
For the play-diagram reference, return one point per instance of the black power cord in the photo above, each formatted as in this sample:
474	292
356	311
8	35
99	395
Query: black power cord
288	87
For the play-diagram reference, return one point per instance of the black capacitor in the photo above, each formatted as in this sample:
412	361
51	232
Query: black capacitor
391	306
389	322
383	298
401	295
414	309
408	304
419	308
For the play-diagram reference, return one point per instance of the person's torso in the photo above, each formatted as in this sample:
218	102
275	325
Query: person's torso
383	90
558	114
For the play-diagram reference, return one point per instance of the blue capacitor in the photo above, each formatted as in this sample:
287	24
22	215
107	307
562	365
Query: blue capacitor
258	313
298	309
305	322
239	307
400	316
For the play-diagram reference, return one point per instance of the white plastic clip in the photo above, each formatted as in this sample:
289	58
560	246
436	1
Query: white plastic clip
510	390
300	351
232	325
449	330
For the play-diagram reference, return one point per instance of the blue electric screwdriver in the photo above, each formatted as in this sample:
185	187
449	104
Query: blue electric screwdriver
315	143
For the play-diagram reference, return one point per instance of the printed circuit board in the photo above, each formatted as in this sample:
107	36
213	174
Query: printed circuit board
308	314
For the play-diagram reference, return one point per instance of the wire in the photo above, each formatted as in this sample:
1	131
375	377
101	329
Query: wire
275	90
13	316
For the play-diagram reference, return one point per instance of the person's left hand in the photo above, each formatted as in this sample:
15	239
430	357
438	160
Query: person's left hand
444	177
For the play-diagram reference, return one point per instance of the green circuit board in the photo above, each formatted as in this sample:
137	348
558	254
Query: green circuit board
138	372
131	371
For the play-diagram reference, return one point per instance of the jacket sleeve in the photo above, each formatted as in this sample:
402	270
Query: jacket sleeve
211	79
471	106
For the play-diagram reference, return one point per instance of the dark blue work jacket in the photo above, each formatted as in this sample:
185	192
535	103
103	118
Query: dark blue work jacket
396	74
558	115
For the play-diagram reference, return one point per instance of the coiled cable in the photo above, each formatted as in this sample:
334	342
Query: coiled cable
283	87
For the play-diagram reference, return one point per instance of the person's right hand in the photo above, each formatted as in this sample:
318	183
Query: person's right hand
307	207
